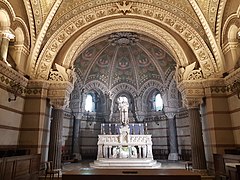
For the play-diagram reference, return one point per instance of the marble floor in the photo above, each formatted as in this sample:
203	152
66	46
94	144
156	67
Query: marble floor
86	164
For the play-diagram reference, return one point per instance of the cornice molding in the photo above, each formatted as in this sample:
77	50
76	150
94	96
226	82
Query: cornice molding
12	75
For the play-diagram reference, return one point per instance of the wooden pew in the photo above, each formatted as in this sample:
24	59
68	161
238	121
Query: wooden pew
24	167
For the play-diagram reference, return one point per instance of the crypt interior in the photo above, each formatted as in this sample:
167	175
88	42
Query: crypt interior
64	64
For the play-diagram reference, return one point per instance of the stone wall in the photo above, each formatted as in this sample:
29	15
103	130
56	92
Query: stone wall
10	120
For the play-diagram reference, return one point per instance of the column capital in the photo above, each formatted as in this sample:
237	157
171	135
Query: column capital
59	93
192	92
59	103
170	115
192	102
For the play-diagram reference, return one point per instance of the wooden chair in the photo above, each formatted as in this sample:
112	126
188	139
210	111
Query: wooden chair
51	171
219	166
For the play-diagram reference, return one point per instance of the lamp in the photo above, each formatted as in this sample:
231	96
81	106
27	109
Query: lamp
15	90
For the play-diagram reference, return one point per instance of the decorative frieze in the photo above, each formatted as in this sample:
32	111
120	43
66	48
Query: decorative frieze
8	74
36	88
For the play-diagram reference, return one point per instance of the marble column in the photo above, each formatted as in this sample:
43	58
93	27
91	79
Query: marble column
75	138
172	137
55	144
6	37
197	146
58	93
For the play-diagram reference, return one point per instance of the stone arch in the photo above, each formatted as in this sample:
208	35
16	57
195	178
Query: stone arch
5	22
232	19
122	87
91	17
130	93
231	42
19	36
152	83
100	91
233	32
19	23
97	85
147	88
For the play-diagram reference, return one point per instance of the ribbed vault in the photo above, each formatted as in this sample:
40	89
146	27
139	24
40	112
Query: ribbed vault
124	57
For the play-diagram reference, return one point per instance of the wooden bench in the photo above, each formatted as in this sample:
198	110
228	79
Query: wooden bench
20	167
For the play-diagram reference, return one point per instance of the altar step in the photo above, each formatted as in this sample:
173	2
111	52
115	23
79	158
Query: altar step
126	163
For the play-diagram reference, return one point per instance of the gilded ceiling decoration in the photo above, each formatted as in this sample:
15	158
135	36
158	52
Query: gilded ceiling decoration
124	57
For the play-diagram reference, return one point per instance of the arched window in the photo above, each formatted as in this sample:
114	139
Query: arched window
158	102
89	103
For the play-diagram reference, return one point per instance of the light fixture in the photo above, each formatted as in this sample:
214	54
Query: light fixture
16	90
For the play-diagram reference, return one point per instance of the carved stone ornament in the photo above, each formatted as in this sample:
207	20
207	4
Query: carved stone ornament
123	38
170	115
192	102
37	88
124	7
188	73
62	74
59	94
59	103
11	74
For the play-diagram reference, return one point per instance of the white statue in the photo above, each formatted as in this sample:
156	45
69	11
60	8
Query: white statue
123	108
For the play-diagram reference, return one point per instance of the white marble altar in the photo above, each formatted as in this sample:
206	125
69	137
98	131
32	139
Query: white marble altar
124	147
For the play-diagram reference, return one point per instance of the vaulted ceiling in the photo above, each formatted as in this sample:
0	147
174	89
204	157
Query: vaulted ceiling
54	25
124	57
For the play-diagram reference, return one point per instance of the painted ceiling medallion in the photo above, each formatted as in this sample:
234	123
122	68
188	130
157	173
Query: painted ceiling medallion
123	38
